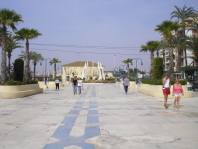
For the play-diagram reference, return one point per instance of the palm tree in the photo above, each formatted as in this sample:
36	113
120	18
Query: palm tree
151	46
192	45
178	44
54	61
182	14
26	34
8	18
36	57
127	61
166	28
11	45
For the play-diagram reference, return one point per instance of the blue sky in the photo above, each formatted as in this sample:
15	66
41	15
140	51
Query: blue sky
107	23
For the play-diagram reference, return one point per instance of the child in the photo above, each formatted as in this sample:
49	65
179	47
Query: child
177	92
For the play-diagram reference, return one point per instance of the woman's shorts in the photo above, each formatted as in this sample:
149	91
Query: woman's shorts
166	91
178	95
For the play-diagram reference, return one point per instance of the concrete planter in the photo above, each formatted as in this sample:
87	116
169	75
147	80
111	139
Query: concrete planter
18	91
156	91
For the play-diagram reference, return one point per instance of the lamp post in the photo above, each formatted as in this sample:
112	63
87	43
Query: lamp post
136	65
45	68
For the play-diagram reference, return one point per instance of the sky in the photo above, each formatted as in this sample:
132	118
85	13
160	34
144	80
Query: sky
108	31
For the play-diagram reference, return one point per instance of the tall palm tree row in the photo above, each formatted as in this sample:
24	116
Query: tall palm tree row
35	57
54	61
166	28
27	34
10	46
192	45
8	18
151	46
128	61
183	14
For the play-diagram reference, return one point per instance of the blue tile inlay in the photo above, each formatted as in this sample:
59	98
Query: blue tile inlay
92	119
93	101
80	100
62	133
93	112
69	120
74	112
92	107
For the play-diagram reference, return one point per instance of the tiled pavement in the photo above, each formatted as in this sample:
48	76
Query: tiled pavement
102	117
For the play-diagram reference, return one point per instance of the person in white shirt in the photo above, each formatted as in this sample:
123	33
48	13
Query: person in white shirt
166	89
80	85
57	83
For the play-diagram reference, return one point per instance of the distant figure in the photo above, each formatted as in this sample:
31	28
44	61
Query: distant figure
177	92
166	89
75	83
126	84
57	83
80	85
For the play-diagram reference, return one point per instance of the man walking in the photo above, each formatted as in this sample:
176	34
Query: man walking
126	84
57	83
75	83
80	85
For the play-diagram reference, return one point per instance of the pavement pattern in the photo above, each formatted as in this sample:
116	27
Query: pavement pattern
102	117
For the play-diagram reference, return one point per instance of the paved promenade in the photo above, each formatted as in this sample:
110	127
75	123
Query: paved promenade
102	117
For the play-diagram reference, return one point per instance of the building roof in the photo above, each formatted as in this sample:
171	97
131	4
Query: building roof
81	64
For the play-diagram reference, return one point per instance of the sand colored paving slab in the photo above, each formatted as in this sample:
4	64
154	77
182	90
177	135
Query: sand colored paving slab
102	117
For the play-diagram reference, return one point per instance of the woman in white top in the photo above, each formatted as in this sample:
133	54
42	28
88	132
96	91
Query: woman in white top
80	85
166	89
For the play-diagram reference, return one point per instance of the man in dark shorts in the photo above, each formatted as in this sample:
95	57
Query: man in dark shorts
75	83
126	84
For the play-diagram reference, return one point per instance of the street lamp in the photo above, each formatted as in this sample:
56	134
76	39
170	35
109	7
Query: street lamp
136	63
46	68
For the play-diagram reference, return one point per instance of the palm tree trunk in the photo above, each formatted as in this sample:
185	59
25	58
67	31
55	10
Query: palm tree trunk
34	69
171	61
27	62
9	65
152	57
3	60
54	70
184	38
128	70
164	59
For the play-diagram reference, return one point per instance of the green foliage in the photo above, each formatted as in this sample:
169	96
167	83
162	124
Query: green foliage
51	79
18	69
21	83
110	79
159	81
132	79
158	67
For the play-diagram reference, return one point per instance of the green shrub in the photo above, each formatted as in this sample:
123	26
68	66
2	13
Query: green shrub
159	81
51	79
21	83
158	67
132	79
110	79
18	69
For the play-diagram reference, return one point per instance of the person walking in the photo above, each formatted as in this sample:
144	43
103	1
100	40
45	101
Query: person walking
75	83
177	92
80	85
57	83
126	84
166	89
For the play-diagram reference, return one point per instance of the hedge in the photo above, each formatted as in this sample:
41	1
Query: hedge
21	83
159	81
